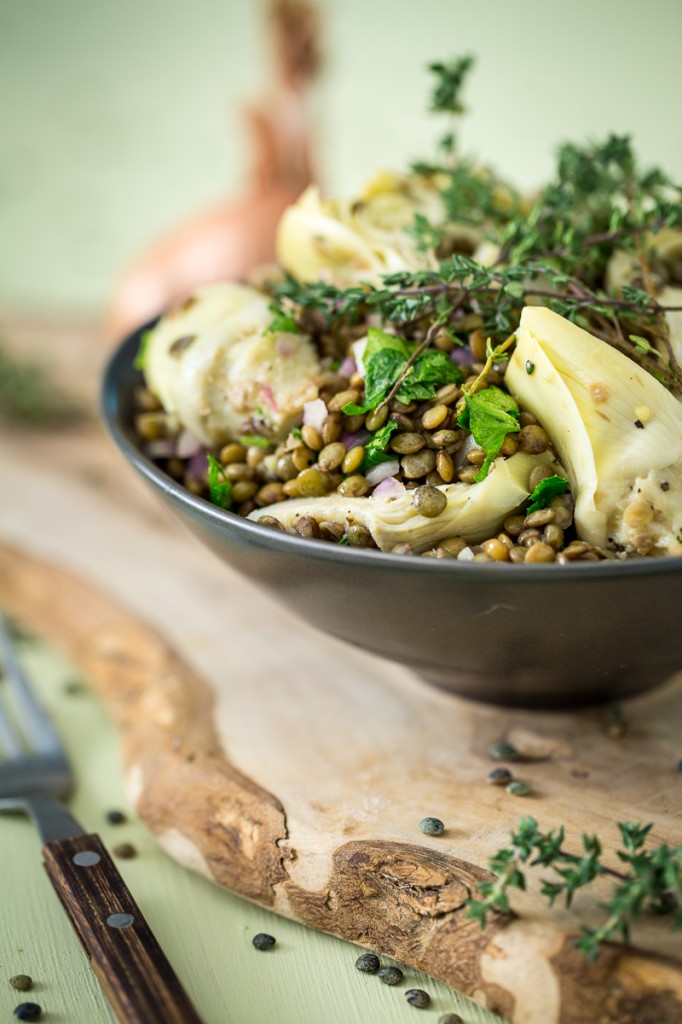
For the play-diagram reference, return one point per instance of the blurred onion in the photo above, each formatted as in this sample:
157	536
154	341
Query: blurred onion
385	469
389	488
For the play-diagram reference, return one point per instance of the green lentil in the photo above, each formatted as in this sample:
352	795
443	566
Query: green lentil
232	453
21	982
435	416
331	531
245	489
368	963
445	467
499	776
353	459
518	788
418	464
263	941
312	437
448	394
301	457
358	536
272	522
312	483
429	501
432	826
390	975
354	486
407	443
376	418
239	471
450	1018
504	752
417	997
537	474
540	553
286	470
308	526
533	439
541	517
342	398
468	474
115	817
332	455
331	427
443	438
453	545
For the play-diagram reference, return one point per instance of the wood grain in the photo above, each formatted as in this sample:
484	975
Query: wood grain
398	897
133	970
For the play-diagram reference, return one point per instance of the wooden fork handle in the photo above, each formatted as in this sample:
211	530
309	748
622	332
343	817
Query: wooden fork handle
130	964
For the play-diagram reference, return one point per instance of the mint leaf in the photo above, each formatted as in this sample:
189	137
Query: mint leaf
382	370
374	449
140	360
431	370
490	414
219	486
378	340
547	489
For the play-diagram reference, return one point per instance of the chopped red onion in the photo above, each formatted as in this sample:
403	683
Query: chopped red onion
463	356
348	367
385	469
352	440
314	414
187	445
285	345
389	488
268	397
197	466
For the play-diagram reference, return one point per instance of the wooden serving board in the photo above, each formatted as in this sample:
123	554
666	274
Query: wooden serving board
293	769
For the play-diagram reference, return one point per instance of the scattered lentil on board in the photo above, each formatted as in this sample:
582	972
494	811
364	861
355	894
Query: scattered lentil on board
368	963
21	982
115	817
417	997
28	1011
504	751
263	941
390	975
499	776
518	788
432	826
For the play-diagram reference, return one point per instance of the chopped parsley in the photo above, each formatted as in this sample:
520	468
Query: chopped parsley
375	447
219	486
254	440
547	489
140	360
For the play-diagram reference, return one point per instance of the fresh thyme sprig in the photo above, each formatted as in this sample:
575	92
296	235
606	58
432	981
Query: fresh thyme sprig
650	881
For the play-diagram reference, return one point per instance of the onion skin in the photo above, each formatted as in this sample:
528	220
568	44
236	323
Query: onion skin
229	240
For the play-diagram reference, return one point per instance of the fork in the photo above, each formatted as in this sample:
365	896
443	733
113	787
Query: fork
137	979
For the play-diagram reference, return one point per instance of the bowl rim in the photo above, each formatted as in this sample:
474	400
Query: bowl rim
121	360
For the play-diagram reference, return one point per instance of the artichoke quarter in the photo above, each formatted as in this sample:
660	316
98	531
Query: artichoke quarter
617	430
473	511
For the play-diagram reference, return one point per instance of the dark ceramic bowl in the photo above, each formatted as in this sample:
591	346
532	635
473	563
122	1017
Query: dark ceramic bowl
540	636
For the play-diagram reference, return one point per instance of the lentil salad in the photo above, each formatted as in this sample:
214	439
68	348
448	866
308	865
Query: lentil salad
441	367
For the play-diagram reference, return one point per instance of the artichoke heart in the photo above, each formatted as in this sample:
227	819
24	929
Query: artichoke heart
617	430
214	364
473	511
664	256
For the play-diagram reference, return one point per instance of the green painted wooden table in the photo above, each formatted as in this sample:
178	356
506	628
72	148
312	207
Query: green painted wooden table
206	932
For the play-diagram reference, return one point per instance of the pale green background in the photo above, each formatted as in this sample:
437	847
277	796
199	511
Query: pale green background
118	119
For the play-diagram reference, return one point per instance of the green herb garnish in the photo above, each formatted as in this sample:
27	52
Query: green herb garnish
650	879
375	447
219	486
547	489
490	415
254	440
284	323
395	367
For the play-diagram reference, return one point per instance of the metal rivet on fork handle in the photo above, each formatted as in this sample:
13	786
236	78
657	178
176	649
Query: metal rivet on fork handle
120	920
86	858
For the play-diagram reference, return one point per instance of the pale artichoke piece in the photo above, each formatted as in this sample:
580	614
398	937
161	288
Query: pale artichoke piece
664	254
213	365
326	240
473	511
617	430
